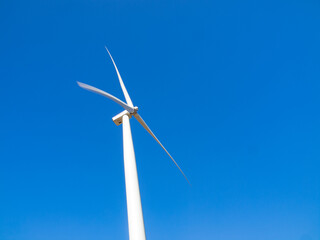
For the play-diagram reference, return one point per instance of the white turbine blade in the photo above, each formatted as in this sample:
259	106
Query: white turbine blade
124	90
105	94
140	120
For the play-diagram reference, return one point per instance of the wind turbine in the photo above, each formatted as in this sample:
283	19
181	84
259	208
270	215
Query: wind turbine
134	209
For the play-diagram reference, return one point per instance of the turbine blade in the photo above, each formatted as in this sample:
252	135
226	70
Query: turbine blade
140	120
124	90
105	94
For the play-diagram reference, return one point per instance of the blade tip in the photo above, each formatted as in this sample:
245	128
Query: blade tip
82	85
106	49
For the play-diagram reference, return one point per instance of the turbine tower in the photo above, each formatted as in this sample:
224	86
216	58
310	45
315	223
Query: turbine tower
134	208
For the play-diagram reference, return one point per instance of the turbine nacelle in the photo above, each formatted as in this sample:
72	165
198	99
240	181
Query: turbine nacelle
118	118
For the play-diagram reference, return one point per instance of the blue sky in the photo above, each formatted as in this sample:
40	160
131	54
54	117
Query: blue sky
231	89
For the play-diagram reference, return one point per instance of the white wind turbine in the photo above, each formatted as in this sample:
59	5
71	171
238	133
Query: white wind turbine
134	209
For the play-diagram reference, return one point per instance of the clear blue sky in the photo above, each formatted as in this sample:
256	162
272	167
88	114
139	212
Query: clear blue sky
230	87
